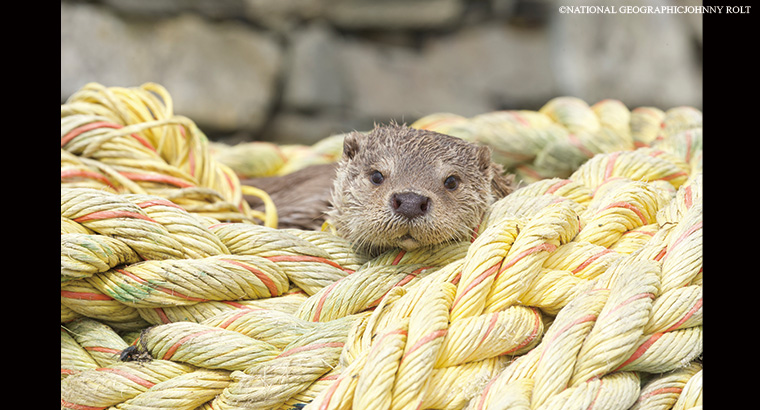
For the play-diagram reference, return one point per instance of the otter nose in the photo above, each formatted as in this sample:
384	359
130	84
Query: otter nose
409	204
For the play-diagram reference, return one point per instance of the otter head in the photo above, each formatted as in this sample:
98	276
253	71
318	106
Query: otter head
399	187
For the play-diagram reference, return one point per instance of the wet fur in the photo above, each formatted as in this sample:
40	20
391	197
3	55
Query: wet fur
416	161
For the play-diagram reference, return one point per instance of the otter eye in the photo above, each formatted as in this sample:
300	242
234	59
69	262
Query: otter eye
376	178
451	183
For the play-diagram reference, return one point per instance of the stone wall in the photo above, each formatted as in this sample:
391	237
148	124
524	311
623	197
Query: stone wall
299	70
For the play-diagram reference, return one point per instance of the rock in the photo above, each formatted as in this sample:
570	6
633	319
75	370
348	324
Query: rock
480	69
642	59
218	9
393	14
389	82
282	15
295	128
222	75
508	67
315	78
302	69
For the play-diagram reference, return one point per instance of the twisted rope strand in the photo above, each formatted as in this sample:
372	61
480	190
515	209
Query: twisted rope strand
574	286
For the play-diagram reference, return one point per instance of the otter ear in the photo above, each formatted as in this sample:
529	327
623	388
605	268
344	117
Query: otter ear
501	185
351	145
484	158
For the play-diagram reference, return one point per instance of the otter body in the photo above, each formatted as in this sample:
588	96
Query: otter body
395	187
400	187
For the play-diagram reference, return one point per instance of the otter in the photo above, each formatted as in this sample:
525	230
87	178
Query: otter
398	187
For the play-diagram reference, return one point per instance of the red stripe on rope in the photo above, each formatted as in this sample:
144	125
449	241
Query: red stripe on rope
687	197
322	299
158	202
230	320
480	278
398	257
74	173
306	258
538	248
626	205
84	295
689	314
491	325
266	280
75	406
662	253
610	164
101	349
639	144
674	176
527	170
522	120
101	124
688	145
578	144
237	305
310	347
162	315
129	376
425	339
533	334
87	127
378	343
95	216
172	350
552	189
165	179
590	260
684	235
641	350
328	395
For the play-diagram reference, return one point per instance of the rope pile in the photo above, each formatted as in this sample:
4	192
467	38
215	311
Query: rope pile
582	289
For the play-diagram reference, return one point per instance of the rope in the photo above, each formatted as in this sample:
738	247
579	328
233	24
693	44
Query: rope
104	387
306	265
130	140
664	391
582	289
173	393
159	283
86	300
99	340
205	346
83	255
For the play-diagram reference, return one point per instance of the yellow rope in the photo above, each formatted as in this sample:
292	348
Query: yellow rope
101	342
83	255
118	382
691	397
663	392
574	289
306	265
133	133
270	215
173	393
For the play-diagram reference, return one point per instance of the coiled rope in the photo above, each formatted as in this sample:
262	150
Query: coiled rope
582	289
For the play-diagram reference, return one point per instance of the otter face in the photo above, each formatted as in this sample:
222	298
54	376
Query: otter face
398	187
